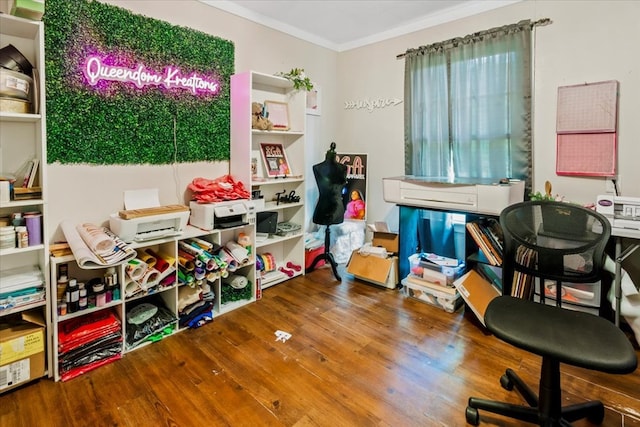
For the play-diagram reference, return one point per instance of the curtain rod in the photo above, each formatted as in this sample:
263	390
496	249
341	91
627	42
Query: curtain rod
525	23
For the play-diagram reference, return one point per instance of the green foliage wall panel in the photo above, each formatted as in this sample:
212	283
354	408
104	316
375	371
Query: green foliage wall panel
119	122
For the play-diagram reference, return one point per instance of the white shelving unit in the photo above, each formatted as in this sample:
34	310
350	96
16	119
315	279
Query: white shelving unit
168	295
246	88
23	138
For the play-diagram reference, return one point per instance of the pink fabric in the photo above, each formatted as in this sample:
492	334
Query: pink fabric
218	190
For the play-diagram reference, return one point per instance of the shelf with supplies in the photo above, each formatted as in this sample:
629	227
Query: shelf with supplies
24	250
272	163
173	284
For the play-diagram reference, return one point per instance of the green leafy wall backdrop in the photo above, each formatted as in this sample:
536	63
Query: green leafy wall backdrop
116	122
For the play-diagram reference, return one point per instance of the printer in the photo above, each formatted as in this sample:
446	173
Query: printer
147	224
483	196
221	215
622	212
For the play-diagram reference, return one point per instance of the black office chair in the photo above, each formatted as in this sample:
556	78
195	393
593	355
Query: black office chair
560	242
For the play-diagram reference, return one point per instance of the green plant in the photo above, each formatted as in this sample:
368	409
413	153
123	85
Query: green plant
299	79
541	196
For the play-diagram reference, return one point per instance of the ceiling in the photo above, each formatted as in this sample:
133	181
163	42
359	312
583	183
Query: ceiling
346	24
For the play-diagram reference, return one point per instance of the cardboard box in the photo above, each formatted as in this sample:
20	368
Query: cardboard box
22	350
389	241
374	269
476	292
30	9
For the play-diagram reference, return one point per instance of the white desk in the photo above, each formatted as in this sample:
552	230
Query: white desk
619	233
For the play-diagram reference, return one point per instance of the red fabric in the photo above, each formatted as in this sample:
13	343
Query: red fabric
218	190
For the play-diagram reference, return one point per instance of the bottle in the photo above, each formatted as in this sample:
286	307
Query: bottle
82	297
61	287
110	283
74	296
22	236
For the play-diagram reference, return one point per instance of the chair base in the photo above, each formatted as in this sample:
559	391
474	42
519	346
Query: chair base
545	410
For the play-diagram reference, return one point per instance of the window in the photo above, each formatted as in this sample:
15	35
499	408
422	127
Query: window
468	106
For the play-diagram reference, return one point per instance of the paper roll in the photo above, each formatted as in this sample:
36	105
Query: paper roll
96	239
131	288
148	258
150	279
238	252
227	257
136	268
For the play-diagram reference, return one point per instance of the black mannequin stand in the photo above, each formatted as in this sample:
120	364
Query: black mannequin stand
327	256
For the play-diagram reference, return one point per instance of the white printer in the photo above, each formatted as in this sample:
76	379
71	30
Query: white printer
227	214
481	196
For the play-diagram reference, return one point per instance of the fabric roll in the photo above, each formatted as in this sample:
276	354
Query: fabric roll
240	253
136	269
149	259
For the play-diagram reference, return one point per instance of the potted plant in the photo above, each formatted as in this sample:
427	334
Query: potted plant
299	79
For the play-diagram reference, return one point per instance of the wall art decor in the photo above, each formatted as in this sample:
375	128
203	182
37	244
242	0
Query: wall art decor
127	89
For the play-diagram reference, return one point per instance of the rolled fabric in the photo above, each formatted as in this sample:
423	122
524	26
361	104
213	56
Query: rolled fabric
96	238
236	281
229	259
186	265
212	275
131	288
207	246
161	262
136	269
193	250
185	278
186	255
148	258
150	279
199	273
240	253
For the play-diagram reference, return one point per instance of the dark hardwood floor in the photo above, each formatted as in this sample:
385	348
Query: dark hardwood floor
359	355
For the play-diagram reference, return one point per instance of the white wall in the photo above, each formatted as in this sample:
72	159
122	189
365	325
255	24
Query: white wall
588	41
585	43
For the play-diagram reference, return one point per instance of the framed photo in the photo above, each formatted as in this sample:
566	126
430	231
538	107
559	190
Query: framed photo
275	160
278	113
313	101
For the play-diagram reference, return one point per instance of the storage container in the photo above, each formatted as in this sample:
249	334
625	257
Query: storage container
443	274
447	302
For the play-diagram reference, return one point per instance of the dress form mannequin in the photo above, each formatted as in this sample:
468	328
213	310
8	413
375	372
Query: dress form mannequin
331	178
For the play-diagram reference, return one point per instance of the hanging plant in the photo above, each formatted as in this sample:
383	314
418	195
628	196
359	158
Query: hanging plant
299	79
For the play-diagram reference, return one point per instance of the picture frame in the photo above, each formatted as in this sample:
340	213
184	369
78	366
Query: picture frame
314	98
276	163
278	113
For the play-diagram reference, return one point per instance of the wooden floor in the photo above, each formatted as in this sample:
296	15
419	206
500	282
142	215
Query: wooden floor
359	355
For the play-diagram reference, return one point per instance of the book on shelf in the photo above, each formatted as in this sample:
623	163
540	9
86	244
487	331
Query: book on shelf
35	163
415	280
522	284
487	240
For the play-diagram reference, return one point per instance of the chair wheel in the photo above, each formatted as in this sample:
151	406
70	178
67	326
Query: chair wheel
597	416
506	382
472	416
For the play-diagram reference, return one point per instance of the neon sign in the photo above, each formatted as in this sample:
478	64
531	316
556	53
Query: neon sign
95	70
